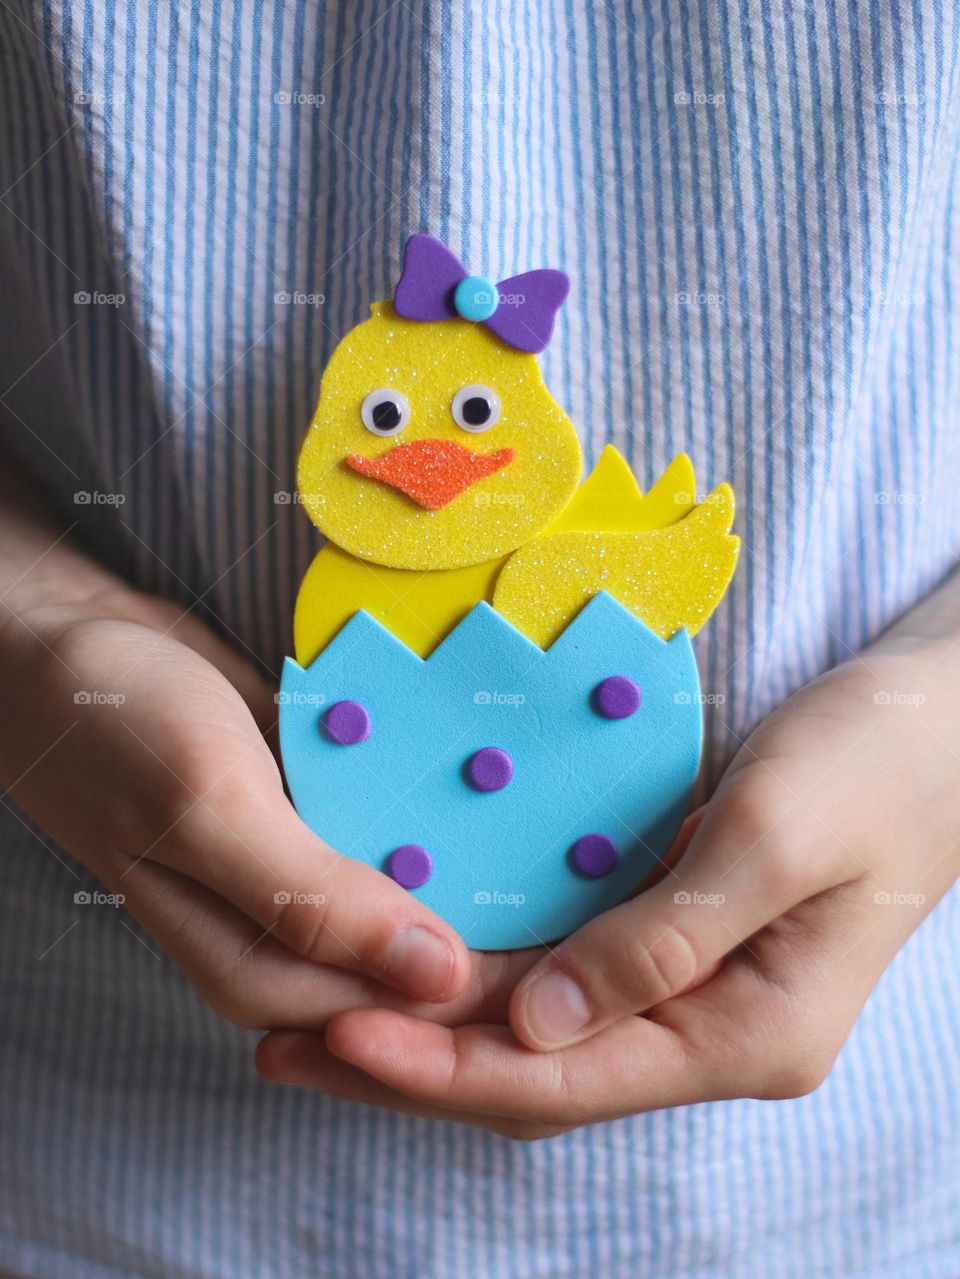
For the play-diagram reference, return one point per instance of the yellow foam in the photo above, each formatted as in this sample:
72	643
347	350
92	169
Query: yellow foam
610	500
429	363
419	607
543	586
671	577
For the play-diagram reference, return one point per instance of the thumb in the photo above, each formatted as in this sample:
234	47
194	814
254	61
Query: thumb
736	876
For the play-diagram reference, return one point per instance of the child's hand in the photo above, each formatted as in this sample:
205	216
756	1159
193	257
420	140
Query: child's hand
128	735
831	837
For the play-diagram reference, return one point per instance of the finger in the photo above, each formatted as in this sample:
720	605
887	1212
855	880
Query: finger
213	794
486	996
768	1025
633	1065
249	978
255	981
735	877
303	1060
243	840
786	1001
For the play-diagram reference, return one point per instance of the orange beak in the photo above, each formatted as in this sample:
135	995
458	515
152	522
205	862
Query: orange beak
431	472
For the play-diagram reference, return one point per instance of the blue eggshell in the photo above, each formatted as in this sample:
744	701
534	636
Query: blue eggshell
502	871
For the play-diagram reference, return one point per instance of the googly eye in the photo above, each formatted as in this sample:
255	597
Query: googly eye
385	412
475	407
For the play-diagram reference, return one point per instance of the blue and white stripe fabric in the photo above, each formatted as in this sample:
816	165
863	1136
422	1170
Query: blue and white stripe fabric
757	206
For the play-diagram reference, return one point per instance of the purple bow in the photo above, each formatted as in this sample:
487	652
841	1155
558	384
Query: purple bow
520	310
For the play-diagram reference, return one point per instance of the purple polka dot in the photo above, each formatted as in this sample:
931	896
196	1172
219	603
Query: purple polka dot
347	723
617	697
595	855
490	768
410	865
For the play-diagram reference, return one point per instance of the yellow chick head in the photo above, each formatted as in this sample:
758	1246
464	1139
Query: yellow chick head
434	445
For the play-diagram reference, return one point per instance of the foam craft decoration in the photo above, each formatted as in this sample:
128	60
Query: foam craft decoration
672	578
378	519
610	500
432	472
421	608
495	699
505	871
436	286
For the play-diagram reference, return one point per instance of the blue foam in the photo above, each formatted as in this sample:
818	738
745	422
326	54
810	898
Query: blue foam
502	875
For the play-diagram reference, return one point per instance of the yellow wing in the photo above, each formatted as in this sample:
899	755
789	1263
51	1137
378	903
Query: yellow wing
609	500
671	576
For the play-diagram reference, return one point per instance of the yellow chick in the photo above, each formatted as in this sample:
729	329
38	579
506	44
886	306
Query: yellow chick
435	448
442	470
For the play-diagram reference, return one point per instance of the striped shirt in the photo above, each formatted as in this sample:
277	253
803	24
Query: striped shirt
756	204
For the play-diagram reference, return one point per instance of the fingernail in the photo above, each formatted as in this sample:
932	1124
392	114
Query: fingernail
555	1008
421	962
